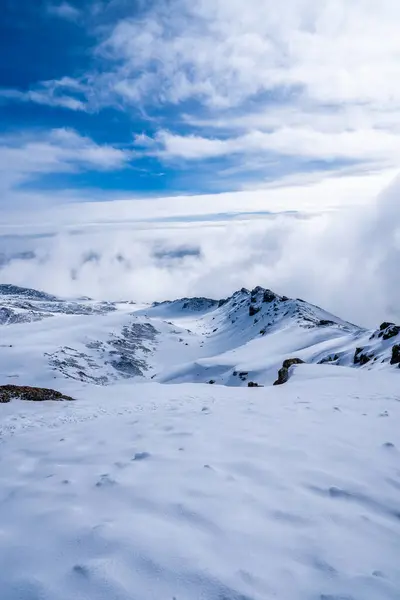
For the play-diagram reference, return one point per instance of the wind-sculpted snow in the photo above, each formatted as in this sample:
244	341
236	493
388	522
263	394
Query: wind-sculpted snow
143	492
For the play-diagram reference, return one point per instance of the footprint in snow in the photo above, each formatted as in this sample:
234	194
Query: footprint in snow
105	480
81	570
378	574
389	446
141	456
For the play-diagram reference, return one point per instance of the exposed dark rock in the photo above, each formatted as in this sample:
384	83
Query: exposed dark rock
391	331
222	302
364	359
283	373
385	325
284	299
268	296
357	353
253	310
395	359
283	376
292	361
361	358
252	384
212	381
33	394
326	322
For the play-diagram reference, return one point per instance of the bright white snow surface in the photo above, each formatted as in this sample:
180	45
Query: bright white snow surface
199	492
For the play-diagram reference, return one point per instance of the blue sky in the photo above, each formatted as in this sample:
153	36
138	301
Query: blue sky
127	98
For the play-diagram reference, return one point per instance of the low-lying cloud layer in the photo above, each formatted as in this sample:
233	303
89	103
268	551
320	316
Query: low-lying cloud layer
345	260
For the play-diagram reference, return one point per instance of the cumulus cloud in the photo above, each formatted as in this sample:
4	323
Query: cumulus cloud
345	259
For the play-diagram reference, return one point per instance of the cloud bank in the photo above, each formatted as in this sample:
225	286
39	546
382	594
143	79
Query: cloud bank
345	260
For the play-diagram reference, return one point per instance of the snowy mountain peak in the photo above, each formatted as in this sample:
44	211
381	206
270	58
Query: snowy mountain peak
240	340
270	310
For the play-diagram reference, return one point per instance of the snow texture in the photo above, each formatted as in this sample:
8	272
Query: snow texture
192	491
144	491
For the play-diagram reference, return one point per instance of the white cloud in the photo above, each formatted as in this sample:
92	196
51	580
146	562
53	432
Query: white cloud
326	72
375	145
65	10
335	51
317	78
26	156
57	92
341	251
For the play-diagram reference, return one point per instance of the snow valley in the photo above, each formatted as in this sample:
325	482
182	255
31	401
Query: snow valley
202	488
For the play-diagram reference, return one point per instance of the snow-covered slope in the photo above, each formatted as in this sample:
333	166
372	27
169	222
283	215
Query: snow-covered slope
234	341
143	491
150	492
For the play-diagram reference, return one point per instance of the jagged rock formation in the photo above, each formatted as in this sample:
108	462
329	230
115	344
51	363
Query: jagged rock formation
361	358
388	330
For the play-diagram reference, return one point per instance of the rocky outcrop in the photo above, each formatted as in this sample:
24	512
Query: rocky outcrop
283	373
268	296
33	394
395	359
361	358
390	331
253	310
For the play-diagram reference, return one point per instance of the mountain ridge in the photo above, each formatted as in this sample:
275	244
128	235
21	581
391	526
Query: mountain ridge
232	341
